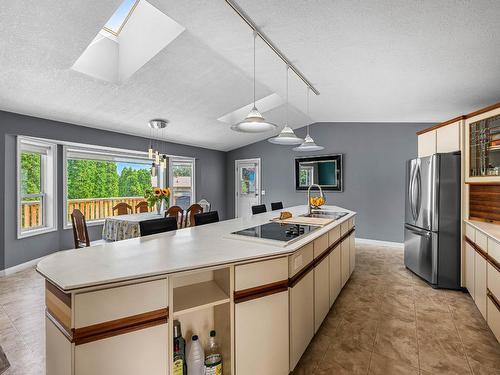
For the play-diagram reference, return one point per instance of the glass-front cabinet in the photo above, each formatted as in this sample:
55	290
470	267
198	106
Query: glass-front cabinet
482	135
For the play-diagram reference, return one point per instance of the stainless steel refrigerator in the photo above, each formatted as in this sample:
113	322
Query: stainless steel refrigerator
432	219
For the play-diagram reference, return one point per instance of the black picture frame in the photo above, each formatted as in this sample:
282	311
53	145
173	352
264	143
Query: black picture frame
337	158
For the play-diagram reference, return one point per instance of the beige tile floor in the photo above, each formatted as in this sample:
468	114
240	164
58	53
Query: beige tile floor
386	321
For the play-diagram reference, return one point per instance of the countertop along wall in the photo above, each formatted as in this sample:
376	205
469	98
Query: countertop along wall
210	180
373	172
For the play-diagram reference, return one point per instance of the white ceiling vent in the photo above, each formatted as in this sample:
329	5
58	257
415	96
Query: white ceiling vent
115	55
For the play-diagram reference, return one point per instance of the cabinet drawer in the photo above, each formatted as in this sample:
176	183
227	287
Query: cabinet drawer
351	223
320	245
494	317
261	273
470	232
481	240
494	249
120	302
301	258
494	281
333	235
344	228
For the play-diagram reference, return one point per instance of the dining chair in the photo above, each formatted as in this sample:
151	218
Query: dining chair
155	226
206	205
123	208
80	232
177	212
276	206
141	207
206	218
259	209
194	209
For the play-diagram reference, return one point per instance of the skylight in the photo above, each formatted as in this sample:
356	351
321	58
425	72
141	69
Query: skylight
120	16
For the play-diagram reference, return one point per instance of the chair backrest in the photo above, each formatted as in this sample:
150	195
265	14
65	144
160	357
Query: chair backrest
194	209
205	205
141	207
259	209
206	218
123	208
154	226
276	206
177	212
80	233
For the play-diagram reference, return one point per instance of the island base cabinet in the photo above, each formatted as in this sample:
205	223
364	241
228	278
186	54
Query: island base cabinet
262	335
321	292
494	316
301	317
335	274
345	259
480	283
58	350
144	351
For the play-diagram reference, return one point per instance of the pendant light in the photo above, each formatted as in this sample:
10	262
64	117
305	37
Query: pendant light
254	122
309	144
286	136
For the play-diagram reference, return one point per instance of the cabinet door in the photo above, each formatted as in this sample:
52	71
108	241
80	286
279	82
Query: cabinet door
480	283
335	274
301	318
448	138
427	144
469	268
321	292
494	316
345	258
261	335
352	253
139	352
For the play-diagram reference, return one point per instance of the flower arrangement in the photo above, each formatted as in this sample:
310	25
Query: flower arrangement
156	195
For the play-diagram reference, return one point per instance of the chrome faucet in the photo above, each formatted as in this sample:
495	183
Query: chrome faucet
309	196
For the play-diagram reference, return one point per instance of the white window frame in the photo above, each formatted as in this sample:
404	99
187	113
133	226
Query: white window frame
93	150
48	178
171	161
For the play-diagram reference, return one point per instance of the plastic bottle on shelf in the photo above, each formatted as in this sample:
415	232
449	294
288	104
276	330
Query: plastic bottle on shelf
213	357
180	366
196	358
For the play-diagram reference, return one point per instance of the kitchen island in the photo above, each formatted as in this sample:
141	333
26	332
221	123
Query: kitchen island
109	307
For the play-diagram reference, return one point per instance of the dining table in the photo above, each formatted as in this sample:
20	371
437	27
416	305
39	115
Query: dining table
123	227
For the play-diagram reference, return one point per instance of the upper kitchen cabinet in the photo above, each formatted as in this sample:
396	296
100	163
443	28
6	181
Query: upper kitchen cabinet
482	141
441	138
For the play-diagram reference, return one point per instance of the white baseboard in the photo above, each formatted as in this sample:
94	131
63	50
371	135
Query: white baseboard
20	267
367	241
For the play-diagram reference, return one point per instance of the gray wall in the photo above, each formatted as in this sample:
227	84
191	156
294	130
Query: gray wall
210	180
374	170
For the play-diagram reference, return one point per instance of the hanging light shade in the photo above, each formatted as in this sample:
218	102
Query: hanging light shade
309	144
254	122
286	136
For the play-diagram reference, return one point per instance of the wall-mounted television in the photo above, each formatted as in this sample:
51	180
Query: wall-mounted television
326	171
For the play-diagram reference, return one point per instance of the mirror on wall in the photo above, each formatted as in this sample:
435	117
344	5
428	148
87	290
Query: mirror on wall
325	171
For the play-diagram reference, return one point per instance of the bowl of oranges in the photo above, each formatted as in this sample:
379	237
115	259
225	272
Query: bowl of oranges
317	202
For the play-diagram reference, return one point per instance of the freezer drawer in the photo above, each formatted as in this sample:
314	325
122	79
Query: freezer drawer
420	252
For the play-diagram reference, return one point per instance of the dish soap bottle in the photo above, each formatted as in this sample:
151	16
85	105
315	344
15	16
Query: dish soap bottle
180	367
195	363
213	358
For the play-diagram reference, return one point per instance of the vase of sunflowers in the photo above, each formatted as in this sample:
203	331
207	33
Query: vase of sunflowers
156	196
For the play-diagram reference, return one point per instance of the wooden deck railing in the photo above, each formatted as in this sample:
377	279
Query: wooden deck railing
92	208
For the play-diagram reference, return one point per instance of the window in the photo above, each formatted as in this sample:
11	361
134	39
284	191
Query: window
120	17
306	175
96	180
182	172
36	180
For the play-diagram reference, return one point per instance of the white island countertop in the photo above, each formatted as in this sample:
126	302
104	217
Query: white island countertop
186	249
490	229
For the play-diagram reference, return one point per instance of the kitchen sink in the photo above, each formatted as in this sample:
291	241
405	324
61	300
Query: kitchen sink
335	215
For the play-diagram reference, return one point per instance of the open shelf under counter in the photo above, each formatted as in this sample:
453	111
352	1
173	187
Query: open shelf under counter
198	296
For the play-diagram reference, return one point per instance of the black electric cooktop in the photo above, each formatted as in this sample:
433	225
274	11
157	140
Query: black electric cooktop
277	231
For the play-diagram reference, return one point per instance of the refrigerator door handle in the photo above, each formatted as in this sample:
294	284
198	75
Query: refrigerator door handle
410	190
418	178
419	232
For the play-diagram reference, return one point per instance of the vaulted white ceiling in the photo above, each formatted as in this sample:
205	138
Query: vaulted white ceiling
418	61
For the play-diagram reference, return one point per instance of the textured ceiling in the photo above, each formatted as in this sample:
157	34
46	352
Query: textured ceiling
421	61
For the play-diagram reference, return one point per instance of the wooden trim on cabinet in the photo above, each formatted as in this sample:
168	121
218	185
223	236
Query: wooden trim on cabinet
494	263
493	299
478	250
260	291
117	327
65	331
441	124
292	281
64	297
483	110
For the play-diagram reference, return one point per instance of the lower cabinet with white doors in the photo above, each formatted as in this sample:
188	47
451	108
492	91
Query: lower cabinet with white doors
482	273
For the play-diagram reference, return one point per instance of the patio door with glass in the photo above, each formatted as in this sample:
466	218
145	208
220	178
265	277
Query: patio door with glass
247	189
